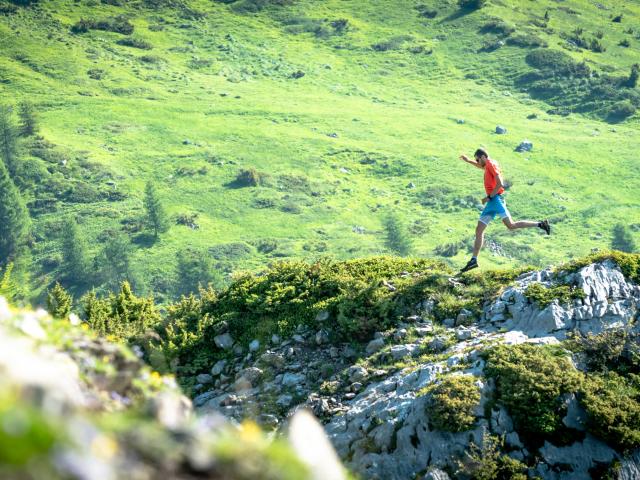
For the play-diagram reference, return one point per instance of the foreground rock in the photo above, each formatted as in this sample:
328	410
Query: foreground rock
75	406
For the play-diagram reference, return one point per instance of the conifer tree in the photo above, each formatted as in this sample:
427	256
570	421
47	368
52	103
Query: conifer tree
156	216
28	119
8	288
14	219
8	140
397	239
59	302
74	253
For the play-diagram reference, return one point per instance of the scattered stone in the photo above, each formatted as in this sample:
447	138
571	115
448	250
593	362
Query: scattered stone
292	379
254	346
349	396
463	333
224	341
400	334
349	352
436	474
411	185
375	345
524	146
356	386
273	359
298	338
322	316
251	374
460	121
465	317
438	344
322	337
204	378
275	339
500	130
401	351
449	322
357	373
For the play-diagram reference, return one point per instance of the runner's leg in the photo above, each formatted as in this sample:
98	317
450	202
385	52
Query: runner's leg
477	245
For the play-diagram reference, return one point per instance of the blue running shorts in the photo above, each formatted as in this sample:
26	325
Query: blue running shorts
495	206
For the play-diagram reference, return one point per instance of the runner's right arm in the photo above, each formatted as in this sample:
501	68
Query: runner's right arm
468	160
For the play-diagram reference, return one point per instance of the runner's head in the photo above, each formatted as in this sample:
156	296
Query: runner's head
481	156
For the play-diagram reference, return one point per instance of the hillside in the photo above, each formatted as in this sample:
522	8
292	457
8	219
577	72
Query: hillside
347	111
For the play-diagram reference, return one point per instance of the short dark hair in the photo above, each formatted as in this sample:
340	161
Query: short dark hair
480	152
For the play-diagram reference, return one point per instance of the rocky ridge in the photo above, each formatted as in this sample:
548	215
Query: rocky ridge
374	400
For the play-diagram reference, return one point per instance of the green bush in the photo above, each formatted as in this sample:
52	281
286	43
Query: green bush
135	43
497	26
543	296
119	24
489	463
249	178
616	350
394	43
613	405
452	403
556	62
471	4
530	381
121	315
620	111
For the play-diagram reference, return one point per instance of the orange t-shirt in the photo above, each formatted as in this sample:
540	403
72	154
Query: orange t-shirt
491	172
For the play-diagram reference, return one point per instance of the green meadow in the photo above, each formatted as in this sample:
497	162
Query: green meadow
349	111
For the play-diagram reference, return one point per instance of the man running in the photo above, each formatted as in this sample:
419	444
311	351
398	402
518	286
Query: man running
494	204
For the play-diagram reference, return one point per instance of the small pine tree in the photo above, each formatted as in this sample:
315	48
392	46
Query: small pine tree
623	239
28	119
14	219
546	15
8	140
74	253
397	238
156	217
59	302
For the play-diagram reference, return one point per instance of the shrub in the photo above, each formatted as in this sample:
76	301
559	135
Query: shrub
394	43
613	405
489	463
135	43
426	11
543	296
557	62
614	350
620	111
526	41
122	315
471	4
119	24
249	178
530	381
452	403
617	18
151	59
498	27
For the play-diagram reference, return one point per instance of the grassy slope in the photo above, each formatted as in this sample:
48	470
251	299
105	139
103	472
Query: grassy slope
394	104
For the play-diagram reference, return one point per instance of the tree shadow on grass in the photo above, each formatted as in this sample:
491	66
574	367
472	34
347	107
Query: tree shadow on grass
460	13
